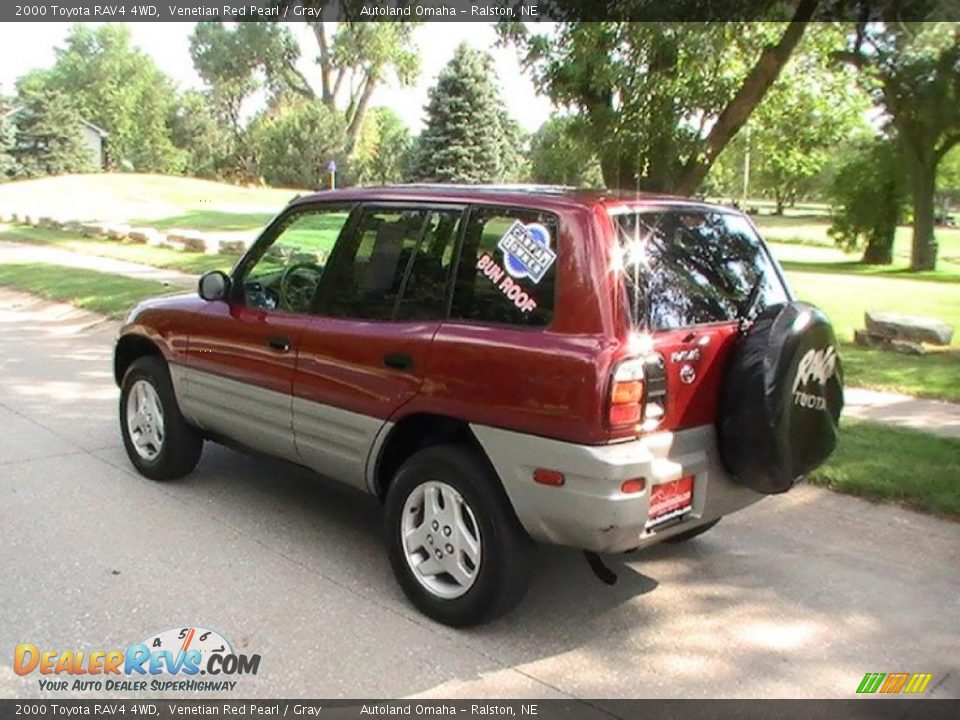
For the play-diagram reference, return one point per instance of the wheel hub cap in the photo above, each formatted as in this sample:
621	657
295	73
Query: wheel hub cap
441	539
145	420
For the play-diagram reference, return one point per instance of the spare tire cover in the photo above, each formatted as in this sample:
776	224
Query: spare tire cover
782	397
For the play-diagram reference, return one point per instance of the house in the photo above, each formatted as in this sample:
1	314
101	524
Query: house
95	138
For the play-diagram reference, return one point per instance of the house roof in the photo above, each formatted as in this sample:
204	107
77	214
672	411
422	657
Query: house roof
99	130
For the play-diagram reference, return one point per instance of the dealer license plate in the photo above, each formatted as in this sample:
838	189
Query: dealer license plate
670	500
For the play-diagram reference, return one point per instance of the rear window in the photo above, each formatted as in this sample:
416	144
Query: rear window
690	267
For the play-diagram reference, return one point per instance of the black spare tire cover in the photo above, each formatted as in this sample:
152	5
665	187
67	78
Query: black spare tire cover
782	397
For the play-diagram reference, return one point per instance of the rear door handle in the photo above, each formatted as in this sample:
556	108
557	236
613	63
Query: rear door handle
279	343
398	361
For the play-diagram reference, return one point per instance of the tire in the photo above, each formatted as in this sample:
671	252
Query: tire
781	399
174	450
691	534
457	477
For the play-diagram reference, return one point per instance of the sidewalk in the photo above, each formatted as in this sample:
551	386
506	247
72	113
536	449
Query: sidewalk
11	252
932	416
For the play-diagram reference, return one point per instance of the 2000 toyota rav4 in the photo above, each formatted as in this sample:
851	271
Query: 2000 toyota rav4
498	366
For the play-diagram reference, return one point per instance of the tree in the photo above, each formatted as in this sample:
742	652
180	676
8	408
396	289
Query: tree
383	145
297	141
354	59
868	197
7	139
810	111
948	182
660	100
913	71
48	140
119	88
463	138
560	155
209	149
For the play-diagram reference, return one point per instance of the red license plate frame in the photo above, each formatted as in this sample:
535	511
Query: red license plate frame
670	500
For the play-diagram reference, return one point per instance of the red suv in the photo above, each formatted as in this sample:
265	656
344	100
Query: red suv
499	366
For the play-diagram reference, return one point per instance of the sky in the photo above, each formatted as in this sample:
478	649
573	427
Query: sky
24	46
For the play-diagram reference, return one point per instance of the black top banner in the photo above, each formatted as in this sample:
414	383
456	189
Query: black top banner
477	10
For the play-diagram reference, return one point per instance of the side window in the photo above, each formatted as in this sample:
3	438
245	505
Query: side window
507	269
369	266
425	288
285	273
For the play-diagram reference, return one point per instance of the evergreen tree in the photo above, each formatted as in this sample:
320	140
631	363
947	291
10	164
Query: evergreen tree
7	165
48	140
464	137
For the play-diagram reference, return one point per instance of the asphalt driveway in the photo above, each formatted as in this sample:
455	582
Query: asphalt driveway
797	596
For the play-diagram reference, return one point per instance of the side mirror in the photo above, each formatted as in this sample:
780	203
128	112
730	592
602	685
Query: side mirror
214	285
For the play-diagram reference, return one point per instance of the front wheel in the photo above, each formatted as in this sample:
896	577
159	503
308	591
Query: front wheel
455	545
159	441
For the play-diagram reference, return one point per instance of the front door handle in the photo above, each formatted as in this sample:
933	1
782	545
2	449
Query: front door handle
398	361
279	343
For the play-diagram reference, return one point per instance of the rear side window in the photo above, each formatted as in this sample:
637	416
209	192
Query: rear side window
691	267
366	272
507	269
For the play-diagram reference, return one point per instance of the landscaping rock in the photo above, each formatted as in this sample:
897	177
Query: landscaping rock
118	232
90	230
194	242
45	222
912	328
148	236
175	241
233	247
864	338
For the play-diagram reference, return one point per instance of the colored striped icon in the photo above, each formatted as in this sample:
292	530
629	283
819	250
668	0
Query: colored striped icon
894	683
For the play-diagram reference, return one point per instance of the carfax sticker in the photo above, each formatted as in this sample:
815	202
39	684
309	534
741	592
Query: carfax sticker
526	251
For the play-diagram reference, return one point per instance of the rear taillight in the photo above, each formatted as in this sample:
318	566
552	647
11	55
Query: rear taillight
626	393
638	393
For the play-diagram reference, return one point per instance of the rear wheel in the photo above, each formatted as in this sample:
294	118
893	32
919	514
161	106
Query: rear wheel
159	442
690	534
455	545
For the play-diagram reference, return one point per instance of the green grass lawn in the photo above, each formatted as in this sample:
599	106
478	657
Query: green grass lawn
209	220
150	200
131	252
906	466
110	295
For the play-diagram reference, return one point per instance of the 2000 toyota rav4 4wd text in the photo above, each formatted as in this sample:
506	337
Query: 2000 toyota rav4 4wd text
499	366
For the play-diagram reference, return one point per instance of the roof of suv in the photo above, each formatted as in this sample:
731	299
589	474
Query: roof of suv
542	195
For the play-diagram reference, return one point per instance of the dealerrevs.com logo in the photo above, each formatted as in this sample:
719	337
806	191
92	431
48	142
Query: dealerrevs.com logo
171	661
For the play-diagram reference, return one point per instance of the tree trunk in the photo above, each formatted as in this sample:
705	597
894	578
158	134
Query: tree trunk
356	122
878	254
754	88
923	253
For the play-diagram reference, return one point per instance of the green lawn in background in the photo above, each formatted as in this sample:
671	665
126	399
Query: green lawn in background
907	466
208	220
111	295
153	200
131	252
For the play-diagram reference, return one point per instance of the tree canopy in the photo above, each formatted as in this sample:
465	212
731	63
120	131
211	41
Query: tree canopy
119	88
913	72
660	100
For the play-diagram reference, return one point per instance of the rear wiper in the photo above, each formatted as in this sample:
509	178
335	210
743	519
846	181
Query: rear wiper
746	315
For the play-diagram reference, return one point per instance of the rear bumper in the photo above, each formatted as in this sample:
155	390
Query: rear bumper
589	511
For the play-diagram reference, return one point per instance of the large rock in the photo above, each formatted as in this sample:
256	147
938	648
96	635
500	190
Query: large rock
912	328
